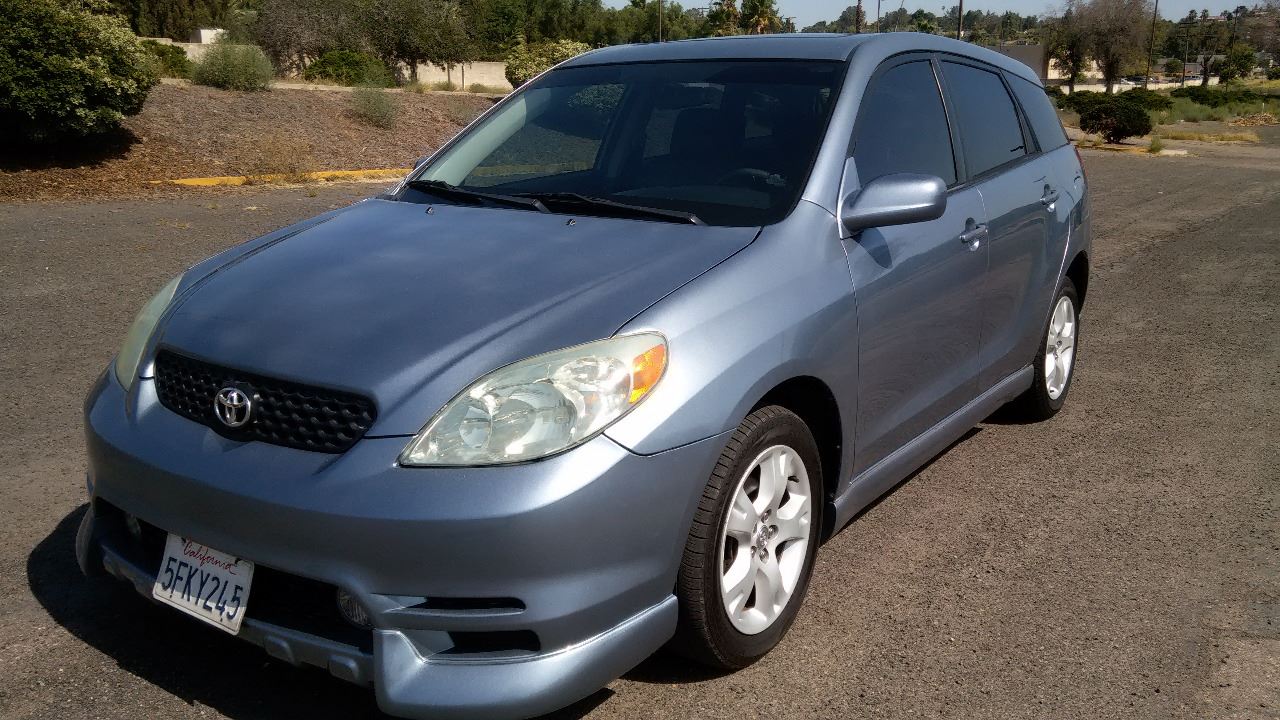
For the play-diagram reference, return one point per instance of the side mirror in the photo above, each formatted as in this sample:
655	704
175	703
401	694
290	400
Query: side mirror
898	199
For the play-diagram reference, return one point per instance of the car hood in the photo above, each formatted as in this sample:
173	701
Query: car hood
409	307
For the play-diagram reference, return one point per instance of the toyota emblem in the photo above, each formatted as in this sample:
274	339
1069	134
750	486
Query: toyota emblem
233	407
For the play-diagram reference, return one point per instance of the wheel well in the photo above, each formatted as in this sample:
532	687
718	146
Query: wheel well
1078	271
811	399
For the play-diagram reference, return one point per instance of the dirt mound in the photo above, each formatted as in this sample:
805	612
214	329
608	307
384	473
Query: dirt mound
1256	120
192	131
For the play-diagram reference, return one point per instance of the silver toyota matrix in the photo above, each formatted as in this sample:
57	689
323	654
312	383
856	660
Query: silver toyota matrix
601	374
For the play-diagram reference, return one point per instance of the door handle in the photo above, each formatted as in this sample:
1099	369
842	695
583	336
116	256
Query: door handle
974	236
1049	198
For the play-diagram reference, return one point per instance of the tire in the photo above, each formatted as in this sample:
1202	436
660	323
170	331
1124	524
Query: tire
773	440
1040	401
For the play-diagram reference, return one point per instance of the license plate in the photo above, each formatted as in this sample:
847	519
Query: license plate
204	583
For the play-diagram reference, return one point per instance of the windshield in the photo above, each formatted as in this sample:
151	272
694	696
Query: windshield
726	142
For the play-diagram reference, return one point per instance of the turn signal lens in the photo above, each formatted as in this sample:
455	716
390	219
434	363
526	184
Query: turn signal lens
646	370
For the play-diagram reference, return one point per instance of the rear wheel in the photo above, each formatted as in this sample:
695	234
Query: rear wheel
751	549
1055	360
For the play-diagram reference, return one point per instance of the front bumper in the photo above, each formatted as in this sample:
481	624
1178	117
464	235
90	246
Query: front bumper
493	592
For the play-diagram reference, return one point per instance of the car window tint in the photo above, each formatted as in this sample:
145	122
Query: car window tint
989	128
1043	119
903	127
563	140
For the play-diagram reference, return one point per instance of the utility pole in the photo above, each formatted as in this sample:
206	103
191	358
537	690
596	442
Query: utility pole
878	16
959	19
1151	48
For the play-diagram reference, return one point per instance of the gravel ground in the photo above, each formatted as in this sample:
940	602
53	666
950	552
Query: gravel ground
1119	561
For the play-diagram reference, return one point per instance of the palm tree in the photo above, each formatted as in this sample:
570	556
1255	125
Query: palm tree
760	17
724	18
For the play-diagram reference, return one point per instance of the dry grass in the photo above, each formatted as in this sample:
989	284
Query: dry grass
1176	134
283	157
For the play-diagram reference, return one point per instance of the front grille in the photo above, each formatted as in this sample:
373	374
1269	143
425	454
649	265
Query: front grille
283	412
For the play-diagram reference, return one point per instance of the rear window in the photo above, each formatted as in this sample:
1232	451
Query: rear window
989	127
1040	113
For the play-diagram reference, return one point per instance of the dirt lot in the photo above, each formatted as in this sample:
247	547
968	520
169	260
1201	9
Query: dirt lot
1119	561
193	131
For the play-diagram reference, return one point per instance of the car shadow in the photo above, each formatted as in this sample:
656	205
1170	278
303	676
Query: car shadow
197	664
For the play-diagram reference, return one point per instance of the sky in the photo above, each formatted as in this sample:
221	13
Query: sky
808	12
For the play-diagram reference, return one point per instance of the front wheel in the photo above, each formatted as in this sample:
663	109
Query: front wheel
1055	360
751	549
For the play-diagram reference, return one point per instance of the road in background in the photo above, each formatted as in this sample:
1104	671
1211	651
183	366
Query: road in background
1117	561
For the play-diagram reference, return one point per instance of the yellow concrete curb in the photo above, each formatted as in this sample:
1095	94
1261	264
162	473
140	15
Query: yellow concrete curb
323	175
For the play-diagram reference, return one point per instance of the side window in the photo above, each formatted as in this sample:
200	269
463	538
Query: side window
988	122
1043	119
902	126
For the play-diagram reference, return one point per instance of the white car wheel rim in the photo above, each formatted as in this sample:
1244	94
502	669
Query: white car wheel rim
1060	347
764	539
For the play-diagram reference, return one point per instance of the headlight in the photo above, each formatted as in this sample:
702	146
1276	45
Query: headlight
135	341
543	405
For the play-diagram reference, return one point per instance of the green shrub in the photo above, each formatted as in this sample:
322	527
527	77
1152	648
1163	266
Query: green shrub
233	67
68	69
1173	66
1054	92
1216	96
171	59
1149	99
349	68
526	62
374	106
1116	120
1273	72
1082	100
486	89
1157	145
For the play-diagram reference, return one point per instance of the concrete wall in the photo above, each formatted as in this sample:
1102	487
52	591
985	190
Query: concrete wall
194	50
493	74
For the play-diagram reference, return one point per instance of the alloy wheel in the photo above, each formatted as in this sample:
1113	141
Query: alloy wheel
765	538
1060	347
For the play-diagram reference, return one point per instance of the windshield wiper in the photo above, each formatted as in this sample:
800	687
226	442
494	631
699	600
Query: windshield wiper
613	208
444	189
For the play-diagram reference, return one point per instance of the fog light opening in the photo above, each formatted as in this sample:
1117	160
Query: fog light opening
135	527
352	611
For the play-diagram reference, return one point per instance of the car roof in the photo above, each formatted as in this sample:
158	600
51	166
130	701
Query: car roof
867	47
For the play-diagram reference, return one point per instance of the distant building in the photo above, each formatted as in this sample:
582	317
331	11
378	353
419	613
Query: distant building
1035	57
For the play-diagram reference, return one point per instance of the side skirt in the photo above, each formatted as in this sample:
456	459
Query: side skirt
879	478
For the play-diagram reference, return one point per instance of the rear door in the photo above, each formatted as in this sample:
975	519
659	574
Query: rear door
918	287
1000	157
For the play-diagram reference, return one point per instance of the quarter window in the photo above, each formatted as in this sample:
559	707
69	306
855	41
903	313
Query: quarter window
903	127
989	129
1044	121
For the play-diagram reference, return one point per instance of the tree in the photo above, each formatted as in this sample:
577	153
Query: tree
174	19
1116	31
1239	62
1068	42
295	32
1173	66
724	18
68	68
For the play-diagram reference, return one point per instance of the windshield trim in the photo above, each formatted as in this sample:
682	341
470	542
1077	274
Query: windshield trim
841	79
